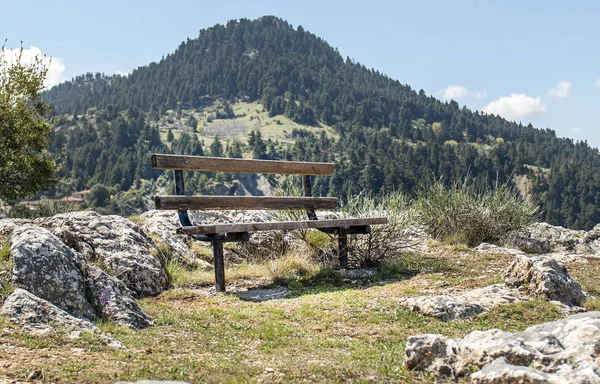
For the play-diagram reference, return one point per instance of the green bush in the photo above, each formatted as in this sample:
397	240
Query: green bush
463	213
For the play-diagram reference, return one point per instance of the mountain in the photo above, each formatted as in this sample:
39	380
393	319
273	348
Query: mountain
382	134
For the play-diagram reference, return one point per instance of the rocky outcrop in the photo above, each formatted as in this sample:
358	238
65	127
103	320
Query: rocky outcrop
46	267
563	351
545	276
118	243
7	226
113	300
41	316
163	225
545	238
463	305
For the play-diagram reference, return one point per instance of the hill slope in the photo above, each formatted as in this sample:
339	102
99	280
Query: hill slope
389	135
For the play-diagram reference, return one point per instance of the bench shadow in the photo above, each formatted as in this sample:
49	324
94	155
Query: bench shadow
329	279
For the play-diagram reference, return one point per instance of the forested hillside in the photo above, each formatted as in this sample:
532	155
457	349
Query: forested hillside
387	136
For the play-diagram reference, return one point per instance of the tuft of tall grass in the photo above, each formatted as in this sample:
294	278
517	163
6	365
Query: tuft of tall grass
462	212
292	266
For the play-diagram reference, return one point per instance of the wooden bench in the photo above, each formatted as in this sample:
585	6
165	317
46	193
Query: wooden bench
217	234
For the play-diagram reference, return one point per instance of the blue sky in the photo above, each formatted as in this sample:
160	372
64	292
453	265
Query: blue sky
530	61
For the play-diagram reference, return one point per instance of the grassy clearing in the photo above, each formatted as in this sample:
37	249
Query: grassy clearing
329	330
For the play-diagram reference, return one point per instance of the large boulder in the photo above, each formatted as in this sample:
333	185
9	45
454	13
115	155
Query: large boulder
163	225
117	243
545	276
114	300
33	313
563	351
46	267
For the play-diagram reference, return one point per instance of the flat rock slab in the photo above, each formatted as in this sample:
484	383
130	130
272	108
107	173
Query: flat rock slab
264	294
465	304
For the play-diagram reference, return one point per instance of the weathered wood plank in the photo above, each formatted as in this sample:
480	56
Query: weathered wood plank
220	164
279	225
204	202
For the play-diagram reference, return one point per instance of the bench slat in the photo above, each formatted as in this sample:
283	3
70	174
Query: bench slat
278	225
243	202
220	164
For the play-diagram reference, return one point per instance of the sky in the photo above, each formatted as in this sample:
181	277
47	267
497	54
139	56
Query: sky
529	61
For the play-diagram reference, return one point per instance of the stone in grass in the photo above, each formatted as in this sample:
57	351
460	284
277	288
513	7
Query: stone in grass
39	317
463	305
263	294
26	309
546	276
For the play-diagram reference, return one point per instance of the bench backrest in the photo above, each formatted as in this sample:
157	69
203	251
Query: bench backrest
179	163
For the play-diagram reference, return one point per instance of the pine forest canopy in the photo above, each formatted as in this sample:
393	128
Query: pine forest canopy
387	136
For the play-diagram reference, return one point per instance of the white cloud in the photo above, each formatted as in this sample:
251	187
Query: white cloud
516	106
562	89
55	66
577	129
457	92
597	83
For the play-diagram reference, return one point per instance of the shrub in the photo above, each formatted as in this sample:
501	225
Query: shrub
384	242
465	213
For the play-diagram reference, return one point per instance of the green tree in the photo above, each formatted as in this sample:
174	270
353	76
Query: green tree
26	166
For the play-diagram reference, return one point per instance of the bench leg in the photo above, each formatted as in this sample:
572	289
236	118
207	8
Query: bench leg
343	248
219	266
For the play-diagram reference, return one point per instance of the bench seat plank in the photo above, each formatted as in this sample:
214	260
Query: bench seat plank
203	202
222	164
278	225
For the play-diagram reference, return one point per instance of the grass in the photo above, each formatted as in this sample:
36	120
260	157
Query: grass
328	330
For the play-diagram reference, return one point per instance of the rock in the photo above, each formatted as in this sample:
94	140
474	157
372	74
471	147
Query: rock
46	267
30	311
563	351
118	243
164	224
363	273
545	238
500	371
264	294
546	276
7	226
114	300
462	305
430	352
496	250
